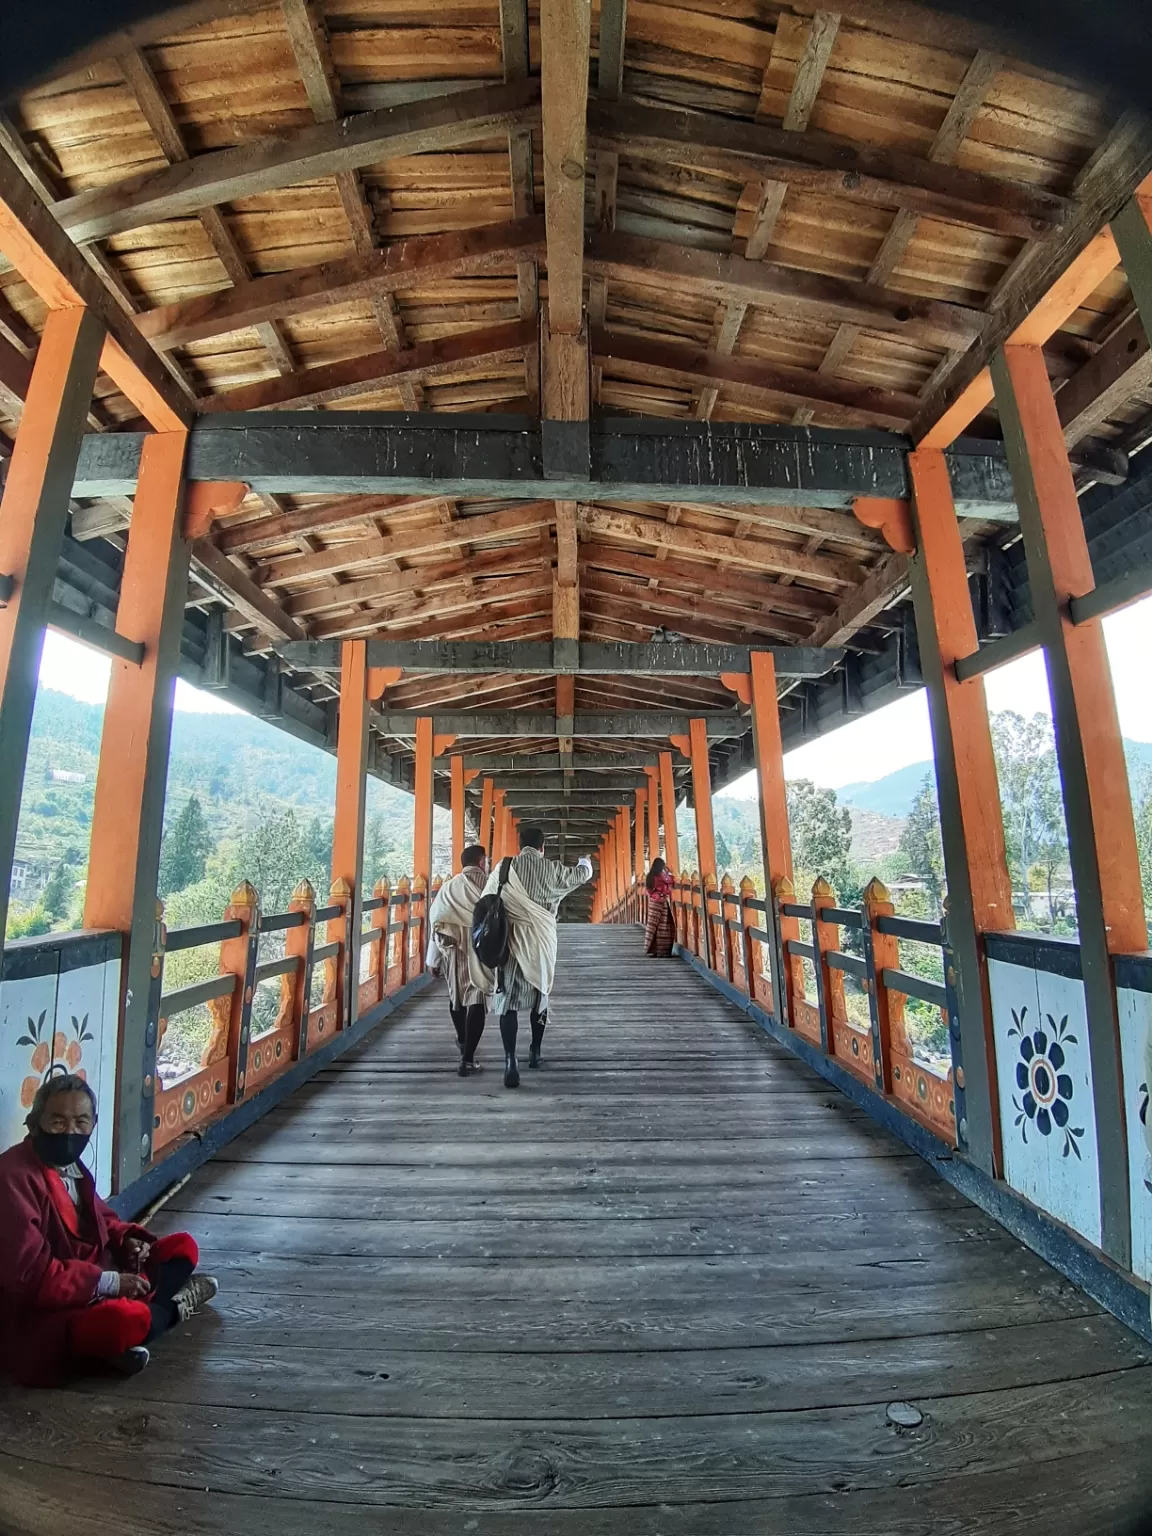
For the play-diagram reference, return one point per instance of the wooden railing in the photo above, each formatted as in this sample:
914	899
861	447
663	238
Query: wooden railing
316	976
788	958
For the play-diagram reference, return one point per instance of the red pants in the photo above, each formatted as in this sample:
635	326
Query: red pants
108	1328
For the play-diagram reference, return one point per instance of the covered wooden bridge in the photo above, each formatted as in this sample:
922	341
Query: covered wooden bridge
558	412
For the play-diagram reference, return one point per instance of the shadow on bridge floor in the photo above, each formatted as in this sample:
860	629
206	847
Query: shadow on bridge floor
669	1288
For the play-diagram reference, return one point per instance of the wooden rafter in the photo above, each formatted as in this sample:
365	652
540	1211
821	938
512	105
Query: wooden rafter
323	150
565	34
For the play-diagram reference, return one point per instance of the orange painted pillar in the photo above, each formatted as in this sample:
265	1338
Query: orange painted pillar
775	838
702	798
457	765
971	825
1089	749
422	809
128	813
608	868
485	837
32	518
668	806
641	804
653	813
623	841
348	821
498	850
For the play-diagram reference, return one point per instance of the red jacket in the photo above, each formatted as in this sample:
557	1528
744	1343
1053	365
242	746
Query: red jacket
51	1257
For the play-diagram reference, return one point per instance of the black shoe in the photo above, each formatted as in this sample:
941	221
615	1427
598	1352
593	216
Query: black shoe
511	1071
534	1056
464	1069
131	1362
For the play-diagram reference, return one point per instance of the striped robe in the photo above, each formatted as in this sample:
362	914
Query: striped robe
546	882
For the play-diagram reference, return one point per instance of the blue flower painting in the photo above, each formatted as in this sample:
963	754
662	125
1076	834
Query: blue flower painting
1045	1089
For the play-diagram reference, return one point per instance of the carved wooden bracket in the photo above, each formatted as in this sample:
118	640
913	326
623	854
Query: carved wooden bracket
206	500
891	517
380	679
739	683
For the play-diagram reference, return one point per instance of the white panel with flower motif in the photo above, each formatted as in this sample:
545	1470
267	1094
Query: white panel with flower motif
1135	1014
1046	1106
86	1027
27	1030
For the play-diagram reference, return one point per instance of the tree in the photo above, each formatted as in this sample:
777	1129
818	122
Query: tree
1031	800
1142	810
54	901
184	852
920	844
821	833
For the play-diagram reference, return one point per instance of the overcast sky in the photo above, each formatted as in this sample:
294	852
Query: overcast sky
867	749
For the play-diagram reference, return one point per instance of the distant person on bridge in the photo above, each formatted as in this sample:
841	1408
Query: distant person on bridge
660	932
78	1286
450	954
535	888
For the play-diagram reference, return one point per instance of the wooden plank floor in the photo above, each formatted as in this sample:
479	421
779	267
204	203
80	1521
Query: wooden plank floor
669	1288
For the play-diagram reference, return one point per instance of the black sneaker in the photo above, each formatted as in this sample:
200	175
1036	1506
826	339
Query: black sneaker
131	1362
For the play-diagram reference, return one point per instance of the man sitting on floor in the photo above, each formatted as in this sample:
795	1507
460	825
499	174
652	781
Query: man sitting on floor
78	1286
451	955
535	888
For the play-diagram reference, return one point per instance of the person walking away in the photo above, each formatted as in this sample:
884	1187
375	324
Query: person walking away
450	954
534	890
660	931
78	1286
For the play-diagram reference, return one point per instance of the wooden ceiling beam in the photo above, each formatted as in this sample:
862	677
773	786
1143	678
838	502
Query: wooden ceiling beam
258	534
565	41
761	590
879	590
241	593
1046	283
693	618
823	165
780	290
493	347
757	553
526	518
323	149
713	605
435	606
1106	383
759	383
423	578
421	259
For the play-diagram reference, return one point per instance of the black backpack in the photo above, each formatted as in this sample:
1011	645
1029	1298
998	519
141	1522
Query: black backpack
490	924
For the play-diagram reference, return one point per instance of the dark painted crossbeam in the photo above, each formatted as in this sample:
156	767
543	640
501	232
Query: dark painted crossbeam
619	784
626	723
732	463
657	659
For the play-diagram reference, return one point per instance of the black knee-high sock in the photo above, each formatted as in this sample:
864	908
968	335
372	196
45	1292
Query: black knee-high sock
473	1029
508	1027
459	1015
538	1021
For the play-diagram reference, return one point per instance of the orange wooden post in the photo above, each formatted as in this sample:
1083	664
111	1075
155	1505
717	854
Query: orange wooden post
1089	749
484	836
790	975
295	986
775	839
380	945
422	808
971	824
623	852
751	955
32	518
641	807
727	904
829	982
887	1008
128	814
340	968
403	902
668	806
348	826
232	1012
702	806
457	764
653	776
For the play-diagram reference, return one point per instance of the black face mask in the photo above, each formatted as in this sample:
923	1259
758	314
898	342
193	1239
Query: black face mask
62	1148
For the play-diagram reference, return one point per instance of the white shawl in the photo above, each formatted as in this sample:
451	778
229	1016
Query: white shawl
533	932
451	919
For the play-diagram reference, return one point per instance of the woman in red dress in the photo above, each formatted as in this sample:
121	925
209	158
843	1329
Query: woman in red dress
660	934
78	1286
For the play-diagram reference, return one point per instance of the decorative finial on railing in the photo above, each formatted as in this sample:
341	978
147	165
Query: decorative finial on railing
784	889
747	887
340	890
305	893
876	893
244	895
822	893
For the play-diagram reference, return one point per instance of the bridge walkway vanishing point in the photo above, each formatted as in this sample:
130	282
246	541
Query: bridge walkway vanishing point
676	1284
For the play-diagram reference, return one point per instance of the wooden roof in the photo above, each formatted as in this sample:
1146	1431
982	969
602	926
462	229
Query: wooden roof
789	215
